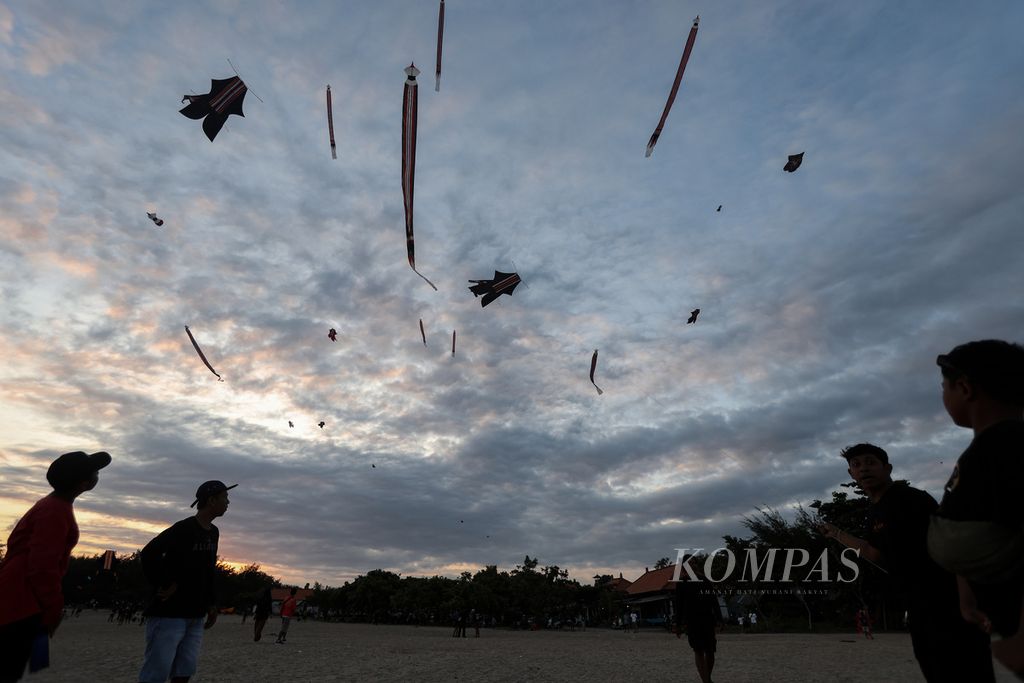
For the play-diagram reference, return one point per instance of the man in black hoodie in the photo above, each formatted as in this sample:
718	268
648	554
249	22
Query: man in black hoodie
181	565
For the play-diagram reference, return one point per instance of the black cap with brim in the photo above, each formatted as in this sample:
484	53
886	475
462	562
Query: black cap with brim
74	467
208	489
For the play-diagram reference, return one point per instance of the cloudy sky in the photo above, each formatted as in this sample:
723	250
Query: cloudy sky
825	294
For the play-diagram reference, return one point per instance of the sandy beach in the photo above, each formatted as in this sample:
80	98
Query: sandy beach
87	648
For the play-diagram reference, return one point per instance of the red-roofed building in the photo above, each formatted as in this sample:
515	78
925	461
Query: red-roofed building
652	595
278	595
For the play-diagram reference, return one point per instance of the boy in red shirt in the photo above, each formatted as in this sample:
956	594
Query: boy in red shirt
31	601
287	612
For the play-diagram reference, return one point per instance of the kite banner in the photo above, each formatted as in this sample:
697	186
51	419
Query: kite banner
201	354
330	124
453	342
593	366
423	332
440	42
409	102
675	86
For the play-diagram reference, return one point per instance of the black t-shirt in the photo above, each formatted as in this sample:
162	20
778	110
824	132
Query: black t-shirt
985	495
898	528
185	554
695	607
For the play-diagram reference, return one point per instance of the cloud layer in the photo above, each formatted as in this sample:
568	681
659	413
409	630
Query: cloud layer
825	294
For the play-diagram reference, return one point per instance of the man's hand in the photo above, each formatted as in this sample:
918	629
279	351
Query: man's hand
973	615
211	617
167	591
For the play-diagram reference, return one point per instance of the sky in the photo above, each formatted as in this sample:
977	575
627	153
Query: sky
825	294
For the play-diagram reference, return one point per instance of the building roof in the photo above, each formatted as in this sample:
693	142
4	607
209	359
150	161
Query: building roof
619	584
654	581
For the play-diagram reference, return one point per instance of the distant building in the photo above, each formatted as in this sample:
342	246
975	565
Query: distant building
278	595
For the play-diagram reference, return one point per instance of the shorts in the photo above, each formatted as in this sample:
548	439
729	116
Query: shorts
701	640
172	648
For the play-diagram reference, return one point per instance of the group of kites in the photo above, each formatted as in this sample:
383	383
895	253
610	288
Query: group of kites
226	96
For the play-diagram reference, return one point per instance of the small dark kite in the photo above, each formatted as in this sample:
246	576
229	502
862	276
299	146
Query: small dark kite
333	335
693	316
152	217
794	162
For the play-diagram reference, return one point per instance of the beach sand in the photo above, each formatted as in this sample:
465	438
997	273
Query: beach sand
87	648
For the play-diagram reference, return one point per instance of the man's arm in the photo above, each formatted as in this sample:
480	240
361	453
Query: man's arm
867	551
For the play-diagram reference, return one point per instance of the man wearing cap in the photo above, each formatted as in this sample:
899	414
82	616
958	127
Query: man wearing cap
181	565
38	550
978	532
946	647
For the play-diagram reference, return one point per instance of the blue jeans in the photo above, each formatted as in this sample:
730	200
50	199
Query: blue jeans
172	648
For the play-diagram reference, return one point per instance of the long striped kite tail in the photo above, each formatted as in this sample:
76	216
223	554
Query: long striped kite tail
675	86
440	42
409	115
202	355
330	124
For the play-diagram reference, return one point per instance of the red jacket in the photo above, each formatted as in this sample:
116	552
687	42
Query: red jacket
37	558
288	606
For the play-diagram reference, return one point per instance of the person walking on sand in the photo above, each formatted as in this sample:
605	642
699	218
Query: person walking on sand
38	552
261	613
698	612
181	565
287	612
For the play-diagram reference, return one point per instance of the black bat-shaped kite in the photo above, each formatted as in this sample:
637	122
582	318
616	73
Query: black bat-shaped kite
794	162
503	283
225	98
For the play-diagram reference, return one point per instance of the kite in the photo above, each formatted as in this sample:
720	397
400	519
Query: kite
201	354
321	424
719	208
152	217
453	342
693	316
440	42
225	98
290	423
333	335
593	366
409	98
503	283
794	162
108	560
330	123
675	86
423	333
